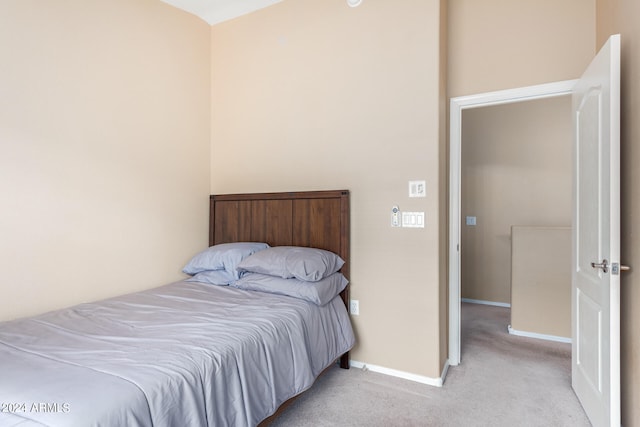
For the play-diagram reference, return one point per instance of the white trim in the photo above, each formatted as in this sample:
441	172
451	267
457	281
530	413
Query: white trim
538	336
436	382
483	302
457	105
445	370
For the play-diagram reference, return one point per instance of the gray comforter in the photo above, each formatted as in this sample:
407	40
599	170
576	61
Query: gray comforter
185	354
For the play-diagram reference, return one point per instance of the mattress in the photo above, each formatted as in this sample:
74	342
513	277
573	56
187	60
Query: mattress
185	354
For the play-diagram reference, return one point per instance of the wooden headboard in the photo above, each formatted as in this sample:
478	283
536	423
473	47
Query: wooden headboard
318	219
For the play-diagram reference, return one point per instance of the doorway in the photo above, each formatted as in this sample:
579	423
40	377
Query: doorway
457	107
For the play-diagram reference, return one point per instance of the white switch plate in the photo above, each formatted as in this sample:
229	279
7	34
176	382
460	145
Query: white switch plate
417	189
413	219
471	220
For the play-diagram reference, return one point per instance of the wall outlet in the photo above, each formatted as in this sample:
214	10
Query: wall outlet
354	307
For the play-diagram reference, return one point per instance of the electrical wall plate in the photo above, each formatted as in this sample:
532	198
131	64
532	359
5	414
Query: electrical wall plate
413	219
417	189
354	307
395	217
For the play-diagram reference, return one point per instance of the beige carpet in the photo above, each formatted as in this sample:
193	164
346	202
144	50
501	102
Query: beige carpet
503	380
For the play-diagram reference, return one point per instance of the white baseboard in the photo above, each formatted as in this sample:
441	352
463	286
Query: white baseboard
538	336
479	301
436	382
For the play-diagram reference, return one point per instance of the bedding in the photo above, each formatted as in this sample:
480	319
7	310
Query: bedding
185	354
224	257
319	293
213	277
303	263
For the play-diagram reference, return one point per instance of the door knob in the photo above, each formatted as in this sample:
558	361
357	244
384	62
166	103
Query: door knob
604	265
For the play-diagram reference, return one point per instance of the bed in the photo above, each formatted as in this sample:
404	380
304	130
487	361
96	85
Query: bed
192	353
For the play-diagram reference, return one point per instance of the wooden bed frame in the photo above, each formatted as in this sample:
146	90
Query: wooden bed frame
318	219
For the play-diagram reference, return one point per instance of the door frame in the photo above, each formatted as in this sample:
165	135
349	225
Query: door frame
457	106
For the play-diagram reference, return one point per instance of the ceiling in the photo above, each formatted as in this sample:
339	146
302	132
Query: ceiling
216	11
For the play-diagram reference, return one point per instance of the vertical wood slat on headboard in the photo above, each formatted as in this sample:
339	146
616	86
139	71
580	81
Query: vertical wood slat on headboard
271	221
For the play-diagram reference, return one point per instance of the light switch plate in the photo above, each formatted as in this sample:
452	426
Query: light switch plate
413	219
417	189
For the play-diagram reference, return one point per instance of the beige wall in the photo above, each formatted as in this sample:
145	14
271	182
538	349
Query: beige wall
516	170
317	95
503	44
613	17
104	140
541	280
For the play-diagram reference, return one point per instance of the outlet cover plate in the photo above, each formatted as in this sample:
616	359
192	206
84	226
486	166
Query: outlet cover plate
354	307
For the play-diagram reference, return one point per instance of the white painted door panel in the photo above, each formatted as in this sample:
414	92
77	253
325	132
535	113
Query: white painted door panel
596	238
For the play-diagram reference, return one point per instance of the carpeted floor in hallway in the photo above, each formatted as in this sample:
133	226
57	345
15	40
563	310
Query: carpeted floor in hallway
503	380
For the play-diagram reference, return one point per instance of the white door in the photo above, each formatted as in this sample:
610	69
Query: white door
596	238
